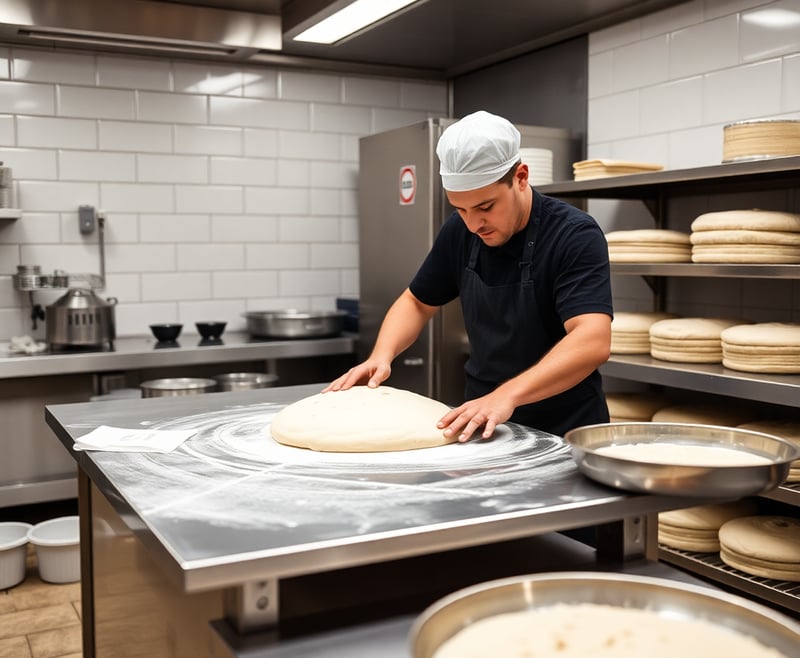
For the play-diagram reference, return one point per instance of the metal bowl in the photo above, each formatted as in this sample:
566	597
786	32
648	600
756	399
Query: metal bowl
449	615
243	381
173	386
294	324
680	480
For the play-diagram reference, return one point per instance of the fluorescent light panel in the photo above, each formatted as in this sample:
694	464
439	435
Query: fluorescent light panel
350	19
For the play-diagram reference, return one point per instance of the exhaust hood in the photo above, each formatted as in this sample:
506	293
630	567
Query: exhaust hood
142	25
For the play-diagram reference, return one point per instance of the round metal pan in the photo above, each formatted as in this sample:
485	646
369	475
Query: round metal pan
679	480
446	617
294	324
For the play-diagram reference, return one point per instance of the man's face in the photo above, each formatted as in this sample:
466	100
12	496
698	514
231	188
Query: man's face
495	212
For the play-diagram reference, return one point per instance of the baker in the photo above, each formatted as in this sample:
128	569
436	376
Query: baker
532	275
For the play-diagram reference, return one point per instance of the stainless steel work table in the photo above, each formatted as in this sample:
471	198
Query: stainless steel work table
142	352
231	513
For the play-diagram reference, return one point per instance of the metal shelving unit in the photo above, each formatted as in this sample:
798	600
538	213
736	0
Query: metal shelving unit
655	190
706	378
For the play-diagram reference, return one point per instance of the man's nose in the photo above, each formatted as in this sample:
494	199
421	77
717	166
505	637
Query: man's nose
473	219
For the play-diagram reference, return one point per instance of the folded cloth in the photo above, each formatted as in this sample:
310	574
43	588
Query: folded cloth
25	345
118	439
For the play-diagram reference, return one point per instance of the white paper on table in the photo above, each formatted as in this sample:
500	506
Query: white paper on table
118	439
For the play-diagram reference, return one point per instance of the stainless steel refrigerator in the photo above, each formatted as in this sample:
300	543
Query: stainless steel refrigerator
401	207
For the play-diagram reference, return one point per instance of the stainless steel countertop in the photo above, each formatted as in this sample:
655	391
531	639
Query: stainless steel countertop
134	353
231	505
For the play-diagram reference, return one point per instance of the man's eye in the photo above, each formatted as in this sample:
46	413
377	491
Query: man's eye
486	208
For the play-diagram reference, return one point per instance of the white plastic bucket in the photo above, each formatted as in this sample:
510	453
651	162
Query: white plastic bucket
13	552
57	543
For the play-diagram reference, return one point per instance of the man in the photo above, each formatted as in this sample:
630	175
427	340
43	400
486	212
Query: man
532	275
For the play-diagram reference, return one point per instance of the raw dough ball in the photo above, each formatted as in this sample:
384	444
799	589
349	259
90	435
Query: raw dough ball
362	419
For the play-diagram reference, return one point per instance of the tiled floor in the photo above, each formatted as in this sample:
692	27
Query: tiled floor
38	619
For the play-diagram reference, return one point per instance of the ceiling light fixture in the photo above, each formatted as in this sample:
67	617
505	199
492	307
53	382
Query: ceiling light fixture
352	18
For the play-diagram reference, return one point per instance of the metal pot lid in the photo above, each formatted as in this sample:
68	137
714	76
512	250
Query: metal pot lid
80	298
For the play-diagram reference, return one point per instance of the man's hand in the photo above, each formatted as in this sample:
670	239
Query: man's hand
487	412
373	371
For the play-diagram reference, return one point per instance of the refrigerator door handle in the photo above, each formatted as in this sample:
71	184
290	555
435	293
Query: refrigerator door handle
414	361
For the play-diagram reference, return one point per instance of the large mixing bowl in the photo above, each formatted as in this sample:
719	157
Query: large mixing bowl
677	479
665	598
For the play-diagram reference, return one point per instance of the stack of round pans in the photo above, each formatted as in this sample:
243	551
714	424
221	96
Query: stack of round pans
760	138
697	528
649	246
630	332
767	347
746	236
767	546
540	165
688	340
786	429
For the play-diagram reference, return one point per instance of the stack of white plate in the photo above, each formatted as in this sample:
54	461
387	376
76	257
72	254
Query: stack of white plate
540	165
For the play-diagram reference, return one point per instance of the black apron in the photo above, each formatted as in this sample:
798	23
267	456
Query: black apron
508	334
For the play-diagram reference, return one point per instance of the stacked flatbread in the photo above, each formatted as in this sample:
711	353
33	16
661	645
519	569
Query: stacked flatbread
785	429
760	138
649	246
767	546
688	340
603	168
697	528
704	414
746	236
630	332
768	347
634	406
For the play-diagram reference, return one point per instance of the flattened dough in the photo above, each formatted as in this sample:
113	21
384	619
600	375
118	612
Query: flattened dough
361	419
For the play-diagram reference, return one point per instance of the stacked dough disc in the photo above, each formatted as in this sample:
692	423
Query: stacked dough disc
633	406
703	414
630	332
767	546
784	429
746	236
688	340
603	168
697	528
760	138
649	246
768	347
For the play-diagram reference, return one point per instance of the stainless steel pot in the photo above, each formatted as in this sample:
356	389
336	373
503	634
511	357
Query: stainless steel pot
244	381
294	324
80	319
159	388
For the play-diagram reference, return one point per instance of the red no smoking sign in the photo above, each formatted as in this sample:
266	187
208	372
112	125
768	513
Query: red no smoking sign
408	184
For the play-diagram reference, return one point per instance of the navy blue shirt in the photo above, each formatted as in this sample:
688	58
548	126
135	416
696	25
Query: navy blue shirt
570	262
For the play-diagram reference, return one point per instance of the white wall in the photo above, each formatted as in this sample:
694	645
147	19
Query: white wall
661	88
226	188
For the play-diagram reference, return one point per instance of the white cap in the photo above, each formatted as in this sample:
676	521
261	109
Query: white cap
477	151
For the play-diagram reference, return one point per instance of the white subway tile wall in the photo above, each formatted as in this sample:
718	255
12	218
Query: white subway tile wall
224	187
661	89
